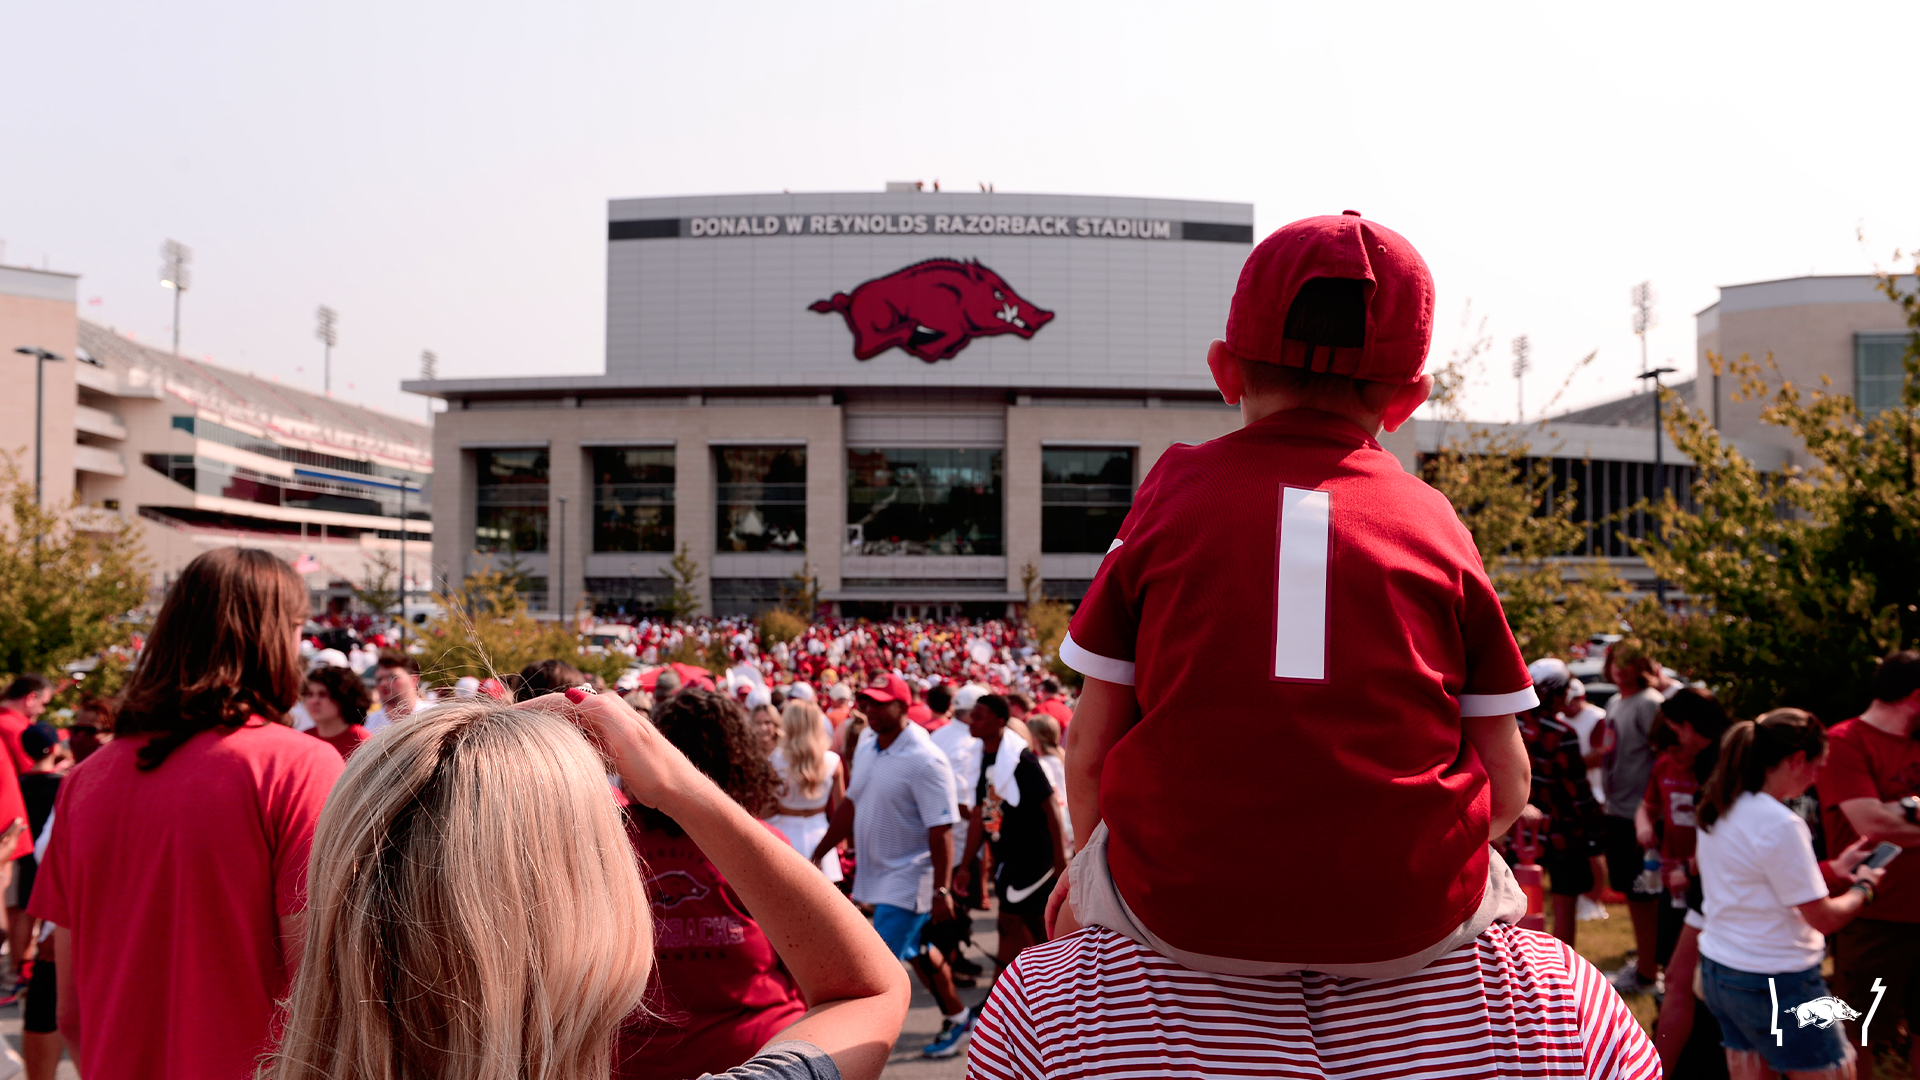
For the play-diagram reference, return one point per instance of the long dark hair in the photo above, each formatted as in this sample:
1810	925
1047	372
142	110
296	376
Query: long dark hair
224	647
1701	711
712	730
1749	749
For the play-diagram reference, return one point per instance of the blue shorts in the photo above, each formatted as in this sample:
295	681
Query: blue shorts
1741	1002
900	929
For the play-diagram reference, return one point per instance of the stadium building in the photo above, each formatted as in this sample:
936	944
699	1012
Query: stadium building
911	396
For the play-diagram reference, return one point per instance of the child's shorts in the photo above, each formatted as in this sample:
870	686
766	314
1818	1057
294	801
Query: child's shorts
1741	1002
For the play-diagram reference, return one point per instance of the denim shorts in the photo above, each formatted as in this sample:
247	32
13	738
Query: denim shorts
1741	1002
900	929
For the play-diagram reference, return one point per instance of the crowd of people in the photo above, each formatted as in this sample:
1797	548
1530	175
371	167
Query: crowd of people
1287	852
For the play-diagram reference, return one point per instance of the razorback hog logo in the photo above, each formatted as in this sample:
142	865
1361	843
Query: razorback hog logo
1823	1012
675	887
932	309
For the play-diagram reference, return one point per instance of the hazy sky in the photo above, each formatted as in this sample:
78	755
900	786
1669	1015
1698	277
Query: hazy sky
439	172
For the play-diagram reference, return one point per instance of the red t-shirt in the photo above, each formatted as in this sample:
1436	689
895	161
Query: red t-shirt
1303	624
1864	762
12	803
347	741
718	987
12	725
172	883
1057	709
921	714
1671	788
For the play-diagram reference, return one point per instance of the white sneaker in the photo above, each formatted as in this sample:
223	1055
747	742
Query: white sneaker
1590	911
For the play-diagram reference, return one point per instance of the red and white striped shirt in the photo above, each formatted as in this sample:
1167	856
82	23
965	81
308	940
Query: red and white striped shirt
1514	1003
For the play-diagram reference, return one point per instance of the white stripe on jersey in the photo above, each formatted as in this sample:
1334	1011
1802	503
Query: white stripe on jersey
1300	589
1514	1003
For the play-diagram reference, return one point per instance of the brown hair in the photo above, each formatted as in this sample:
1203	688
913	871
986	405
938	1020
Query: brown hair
1749	749
224	647
544	677
712	730
1630	656
348	691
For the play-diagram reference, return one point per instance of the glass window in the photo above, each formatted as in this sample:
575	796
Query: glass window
633	498
924	502
761	498
510	504
1084	496
1879	371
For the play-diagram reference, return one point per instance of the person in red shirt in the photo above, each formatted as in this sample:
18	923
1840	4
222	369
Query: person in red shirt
338	701
1665	821
719	991
1324	616
1870	788
1053	704
23	703
177	867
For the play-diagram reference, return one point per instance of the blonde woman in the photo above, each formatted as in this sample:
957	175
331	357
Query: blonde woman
476	912
1044	732
812	782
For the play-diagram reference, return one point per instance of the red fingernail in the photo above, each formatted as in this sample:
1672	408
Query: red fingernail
576	695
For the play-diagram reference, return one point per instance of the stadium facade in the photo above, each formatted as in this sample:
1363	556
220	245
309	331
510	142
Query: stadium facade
911	396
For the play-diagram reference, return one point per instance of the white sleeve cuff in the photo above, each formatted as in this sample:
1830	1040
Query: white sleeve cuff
1493	704
1093	665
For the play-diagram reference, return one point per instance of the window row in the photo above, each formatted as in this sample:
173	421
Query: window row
899	502
303	491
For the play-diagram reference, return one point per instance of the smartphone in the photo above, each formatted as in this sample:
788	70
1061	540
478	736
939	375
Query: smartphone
1883	854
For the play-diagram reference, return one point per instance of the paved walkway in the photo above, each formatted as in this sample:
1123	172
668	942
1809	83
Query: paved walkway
923	1016
10	1028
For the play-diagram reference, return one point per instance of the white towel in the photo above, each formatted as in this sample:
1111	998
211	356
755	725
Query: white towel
1004	762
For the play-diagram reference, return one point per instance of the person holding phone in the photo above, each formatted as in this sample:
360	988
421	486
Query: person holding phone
1868	788
1768	899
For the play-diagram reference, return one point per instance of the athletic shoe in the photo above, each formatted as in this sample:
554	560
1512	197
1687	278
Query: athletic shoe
1629	982
951	1036
1589	911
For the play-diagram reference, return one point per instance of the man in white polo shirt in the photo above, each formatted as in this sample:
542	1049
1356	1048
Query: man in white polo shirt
900	810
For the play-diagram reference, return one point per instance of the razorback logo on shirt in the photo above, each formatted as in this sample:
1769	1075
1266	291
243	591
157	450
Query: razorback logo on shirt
675	887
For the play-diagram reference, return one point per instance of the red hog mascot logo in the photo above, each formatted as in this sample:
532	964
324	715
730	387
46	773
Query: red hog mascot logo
932	309
675	887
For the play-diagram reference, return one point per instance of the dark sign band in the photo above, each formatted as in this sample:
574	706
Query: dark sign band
929	225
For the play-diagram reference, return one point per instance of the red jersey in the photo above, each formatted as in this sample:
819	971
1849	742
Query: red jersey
347	741
12	803
1671	789
1864	762
1057	709
172	882
1304	624
719	990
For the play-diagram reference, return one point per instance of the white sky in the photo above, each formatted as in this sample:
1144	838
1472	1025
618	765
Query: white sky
439	172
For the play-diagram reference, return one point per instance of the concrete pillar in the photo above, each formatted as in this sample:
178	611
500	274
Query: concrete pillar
567	475
694	510
1021	464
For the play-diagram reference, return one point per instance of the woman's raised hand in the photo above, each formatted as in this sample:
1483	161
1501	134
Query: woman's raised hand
654	770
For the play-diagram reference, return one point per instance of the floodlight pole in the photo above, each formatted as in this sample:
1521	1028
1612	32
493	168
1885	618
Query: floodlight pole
1659	468
40	358
560	553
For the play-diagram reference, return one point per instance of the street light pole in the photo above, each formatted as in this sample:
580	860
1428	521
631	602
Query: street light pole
1659	465
403	563
40	358
560	579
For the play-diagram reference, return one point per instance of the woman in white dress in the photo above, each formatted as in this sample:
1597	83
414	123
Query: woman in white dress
812	782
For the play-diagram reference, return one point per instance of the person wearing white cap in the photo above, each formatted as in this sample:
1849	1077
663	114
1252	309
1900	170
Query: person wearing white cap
1588	721
466	686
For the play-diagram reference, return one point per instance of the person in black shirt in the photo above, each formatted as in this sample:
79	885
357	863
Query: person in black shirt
1014	814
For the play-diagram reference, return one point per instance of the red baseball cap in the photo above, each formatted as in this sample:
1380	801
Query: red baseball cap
1397	290
889	687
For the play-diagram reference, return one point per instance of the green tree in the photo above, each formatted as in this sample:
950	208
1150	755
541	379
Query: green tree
1804	576
487	630
1522	529
378	590
682	601
67	592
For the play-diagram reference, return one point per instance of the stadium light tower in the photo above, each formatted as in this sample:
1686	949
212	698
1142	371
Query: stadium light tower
1659	466
176	275
326	324
1522	363
429	371
1643	319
